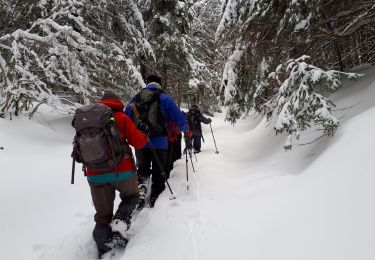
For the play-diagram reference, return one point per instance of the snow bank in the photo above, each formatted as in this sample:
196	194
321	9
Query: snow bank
250	201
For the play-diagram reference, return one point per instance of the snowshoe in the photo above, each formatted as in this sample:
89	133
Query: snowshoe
108	249
119	239
142	196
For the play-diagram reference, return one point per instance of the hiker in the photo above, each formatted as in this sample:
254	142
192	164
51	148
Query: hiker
122	178
195	118
151	109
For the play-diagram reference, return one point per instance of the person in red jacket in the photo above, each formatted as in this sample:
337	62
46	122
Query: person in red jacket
123	179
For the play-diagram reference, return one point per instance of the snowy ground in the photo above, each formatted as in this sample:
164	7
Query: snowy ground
250	201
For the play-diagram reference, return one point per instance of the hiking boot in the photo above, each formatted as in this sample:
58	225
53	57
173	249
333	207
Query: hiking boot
152	201
103	238
141	204
197	151
154	196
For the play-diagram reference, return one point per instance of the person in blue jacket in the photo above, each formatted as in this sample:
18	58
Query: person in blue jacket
146	162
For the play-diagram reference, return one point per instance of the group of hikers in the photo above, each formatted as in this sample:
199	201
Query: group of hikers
153	124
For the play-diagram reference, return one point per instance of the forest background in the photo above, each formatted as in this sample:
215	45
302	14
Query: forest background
281	59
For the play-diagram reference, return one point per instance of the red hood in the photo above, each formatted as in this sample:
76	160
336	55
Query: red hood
115	104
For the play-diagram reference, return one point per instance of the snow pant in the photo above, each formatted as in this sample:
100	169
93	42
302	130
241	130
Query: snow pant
103	196
197	142
188	144
173	154
169	163
177	148
147	166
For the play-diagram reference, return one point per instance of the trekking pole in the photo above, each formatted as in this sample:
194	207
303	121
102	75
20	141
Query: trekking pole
172	197
214	139
187	171
191	159
73	171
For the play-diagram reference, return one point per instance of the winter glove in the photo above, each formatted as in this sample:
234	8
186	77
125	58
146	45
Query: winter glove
188	134
143	127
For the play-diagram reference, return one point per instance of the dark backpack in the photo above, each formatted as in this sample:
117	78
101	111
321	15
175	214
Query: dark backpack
148	106
193	118
97	143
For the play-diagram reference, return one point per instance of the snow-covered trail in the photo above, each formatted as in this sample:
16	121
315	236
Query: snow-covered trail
250	201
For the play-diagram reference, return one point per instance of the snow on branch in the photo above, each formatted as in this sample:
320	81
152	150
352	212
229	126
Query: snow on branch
78	48
300	102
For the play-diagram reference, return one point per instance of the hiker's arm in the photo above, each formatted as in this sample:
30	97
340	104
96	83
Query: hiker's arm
135	137
175	114
205	120
128	111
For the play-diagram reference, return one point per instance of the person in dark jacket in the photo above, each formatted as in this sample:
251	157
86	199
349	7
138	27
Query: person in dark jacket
195	118
123	179
147	164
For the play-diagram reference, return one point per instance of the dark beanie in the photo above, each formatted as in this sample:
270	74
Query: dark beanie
153	78
109	95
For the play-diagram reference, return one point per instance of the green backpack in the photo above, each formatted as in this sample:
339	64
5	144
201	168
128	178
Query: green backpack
148	105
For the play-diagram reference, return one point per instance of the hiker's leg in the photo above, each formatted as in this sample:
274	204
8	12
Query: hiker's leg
197	143
144	157
169	164
143	164
177	148
103	196
129	200
189	143
158	181
103	237
128	190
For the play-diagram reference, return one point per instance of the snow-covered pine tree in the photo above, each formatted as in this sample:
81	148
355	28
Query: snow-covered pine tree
179	60
168	24
258	35
78	48
205	79
301	102
252	33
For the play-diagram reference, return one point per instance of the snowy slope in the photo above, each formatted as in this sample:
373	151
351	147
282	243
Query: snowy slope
250	201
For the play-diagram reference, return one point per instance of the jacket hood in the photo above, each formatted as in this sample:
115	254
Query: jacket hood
113	103
153	85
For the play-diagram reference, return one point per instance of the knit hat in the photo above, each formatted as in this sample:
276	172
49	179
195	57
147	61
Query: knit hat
109	95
